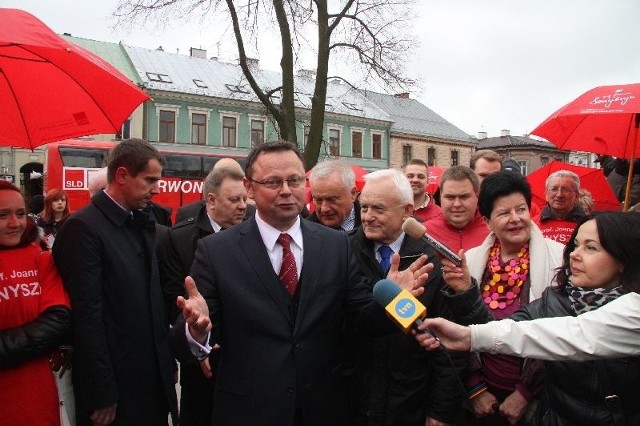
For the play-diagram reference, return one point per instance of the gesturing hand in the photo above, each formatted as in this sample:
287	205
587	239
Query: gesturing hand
195	311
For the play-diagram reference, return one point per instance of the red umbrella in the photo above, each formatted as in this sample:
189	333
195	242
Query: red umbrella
51	89
603	120
591	179
434	179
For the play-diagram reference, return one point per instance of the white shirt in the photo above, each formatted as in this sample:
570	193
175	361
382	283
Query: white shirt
270	235
610	331
395	246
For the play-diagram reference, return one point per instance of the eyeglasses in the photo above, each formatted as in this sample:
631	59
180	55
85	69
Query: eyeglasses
561	190
292	182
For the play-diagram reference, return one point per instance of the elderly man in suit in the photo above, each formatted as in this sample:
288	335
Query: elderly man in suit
226	204
123	370
333	191
279	288
396	382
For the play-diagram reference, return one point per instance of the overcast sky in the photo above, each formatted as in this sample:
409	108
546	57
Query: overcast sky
484	65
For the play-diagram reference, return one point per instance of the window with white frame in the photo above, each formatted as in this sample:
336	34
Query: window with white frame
229	127
306	130
407	154
258	127
356	143
125	130
455	157
376	145
167	116
524	167
334	141
431	156
199	124
198	129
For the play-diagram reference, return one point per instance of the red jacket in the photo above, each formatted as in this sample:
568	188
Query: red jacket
468	237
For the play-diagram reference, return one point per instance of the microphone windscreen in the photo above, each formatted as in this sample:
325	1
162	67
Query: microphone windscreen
413	228
384	291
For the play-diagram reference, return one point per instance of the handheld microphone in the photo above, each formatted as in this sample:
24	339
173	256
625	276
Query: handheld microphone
404	309
416	230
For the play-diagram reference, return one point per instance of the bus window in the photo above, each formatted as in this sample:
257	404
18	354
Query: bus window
183	165
90	158
210	161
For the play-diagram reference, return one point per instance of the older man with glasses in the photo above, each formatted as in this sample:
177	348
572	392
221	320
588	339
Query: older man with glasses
558	218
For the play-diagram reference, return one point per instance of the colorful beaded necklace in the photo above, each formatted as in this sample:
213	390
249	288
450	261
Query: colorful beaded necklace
506	278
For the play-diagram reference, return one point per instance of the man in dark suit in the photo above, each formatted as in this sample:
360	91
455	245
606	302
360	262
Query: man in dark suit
123	371
333	191
192	209
226	203
278	289
395	381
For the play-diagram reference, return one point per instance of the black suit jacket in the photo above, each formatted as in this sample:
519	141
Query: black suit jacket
395	380
313	217
192	209
274	365
121	349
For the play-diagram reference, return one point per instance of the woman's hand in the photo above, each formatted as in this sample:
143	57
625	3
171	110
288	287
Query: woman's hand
457	277
513	407
484	404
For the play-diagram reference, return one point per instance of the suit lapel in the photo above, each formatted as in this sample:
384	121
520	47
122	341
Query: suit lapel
253	247
309	275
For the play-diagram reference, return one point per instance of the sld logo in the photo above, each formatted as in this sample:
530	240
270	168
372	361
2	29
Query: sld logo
405	308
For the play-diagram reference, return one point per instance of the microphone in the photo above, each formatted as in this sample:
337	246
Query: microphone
416	230
404	309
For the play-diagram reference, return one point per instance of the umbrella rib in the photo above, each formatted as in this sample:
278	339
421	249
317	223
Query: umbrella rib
106	115
23	121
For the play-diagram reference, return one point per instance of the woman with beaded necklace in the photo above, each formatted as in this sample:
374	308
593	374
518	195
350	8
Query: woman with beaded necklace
512	267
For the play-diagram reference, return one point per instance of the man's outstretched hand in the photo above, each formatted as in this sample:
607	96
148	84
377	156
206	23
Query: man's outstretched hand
195	311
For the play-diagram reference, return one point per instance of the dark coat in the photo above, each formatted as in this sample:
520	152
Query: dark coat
107	261
276	365
397	381
313	217
176	251
192	209
161	214
575	391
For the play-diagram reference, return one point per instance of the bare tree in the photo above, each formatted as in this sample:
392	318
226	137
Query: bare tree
367	37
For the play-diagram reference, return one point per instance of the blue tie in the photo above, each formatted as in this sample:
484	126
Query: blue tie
385	257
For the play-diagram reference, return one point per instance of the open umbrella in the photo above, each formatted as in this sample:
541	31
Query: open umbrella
434	179
591	179
51	89
603	120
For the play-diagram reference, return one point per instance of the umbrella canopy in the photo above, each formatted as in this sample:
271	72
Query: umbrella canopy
603	120
591	179
434	179
51	89
359	171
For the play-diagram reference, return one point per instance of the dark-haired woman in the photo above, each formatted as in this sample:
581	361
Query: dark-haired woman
513	266
34	318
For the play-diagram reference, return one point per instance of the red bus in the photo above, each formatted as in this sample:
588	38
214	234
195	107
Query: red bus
69	164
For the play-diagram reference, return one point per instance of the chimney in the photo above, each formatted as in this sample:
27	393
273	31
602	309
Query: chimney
403	95
197	53
482	135
252	63
504	132
311	74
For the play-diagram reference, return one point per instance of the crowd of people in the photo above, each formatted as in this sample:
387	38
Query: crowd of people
267	313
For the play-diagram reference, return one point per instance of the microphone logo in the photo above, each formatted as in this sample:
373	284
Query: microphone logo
405	308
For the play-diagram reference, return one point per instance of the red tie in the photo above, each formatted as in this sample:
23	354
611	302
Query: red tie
288	270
